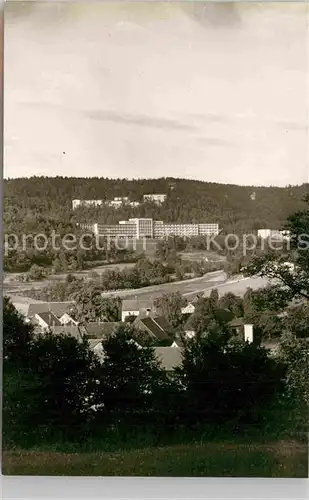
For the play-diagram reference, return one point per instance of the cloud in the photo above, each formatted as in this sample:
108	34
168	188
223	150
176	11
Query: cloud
117	117
140	120
213	141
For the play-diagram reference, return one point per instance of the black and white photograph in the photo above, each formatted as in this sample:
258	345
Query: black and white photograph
156	239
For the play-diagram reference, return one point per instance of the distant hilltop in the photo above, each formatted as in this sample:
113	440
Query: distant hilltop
234	207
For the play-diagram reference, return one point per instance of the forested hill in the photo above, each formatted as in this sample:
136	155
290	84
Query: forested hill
234	207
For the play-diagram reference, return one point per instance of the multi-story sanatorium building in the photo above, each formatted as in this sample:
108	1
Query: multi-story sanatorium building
148	228
120	201
117	202
155	198
88	203
273	234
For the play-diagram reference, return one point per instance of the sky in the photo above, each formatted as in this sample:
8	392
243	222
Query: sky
192	90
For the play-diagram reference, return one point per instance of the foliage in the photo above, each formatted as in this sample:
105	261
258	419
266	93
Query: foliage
49	383
55	388
17	336
295	353
233	303
296	320
169	305
290	271
263	313
207	311
224	378
130	375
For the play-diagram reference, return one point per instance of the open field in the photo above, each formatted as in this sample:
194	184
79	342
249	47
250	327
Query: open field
188	288
192	287
280	459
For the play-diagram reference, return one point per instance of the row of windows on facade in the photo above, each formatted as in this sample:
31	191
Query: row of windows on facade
140	228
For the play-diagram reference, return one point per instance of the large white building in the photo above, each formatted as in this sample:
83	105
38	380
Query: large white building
120	201
155	198
77	203
117	202
148	228
273	234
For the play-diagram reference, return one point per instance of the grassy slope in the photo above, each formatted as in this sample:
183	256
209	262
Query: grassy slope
281	459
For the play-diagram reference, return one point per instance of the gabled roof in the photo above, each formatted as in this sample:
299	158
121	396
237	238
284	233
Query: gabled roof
49	318
94	342
97	347
136	304
101	330
67	314
188	307
57	308
170	357
153	327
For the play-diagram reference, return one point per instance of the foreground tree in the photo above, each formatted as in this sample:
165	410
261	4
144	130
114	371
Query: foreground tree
295	354
227	379
169	305
290	268
54	396
49	383
17	335
130	376
233	303
296	320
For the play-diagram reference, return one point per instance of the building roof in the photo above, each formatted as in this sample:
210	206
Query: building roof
94	342
68	315
71	330
153	325
96	346
136	304
186	309
170	357
163	323
57	308
49	318
101	330
236	322
22	308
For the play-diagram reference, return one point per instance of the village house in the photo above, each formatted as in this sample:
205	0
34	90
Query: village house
242	329
136	307
188	309
169	357
71	330
66	319
96	346
44	321
101	331
59	309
